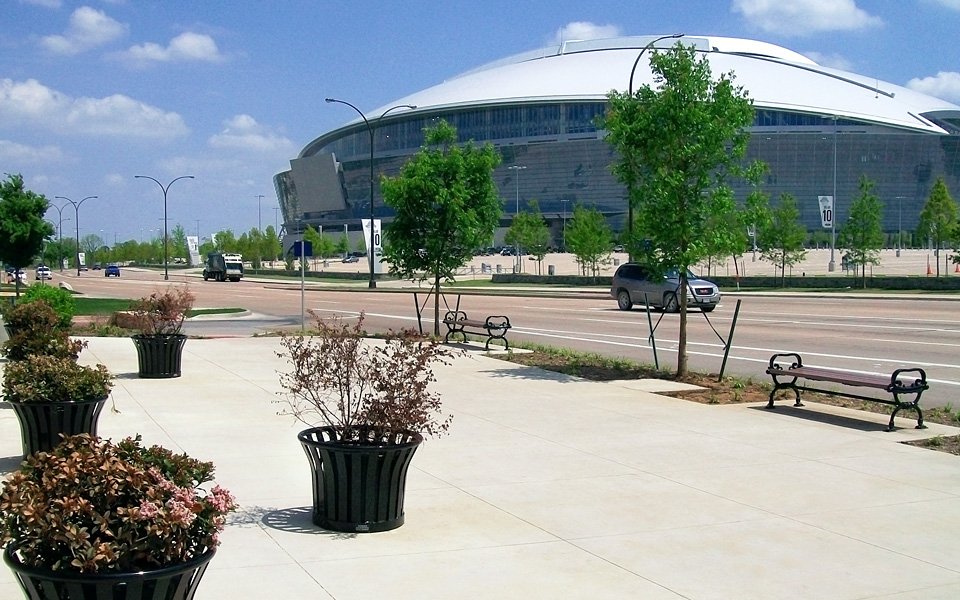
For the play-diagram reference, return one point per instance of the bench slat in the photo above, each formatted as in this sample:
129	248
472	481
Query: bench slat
854	379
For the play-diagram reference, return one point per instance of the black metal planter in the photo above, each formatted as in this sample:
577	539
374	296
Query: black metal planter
41	423
159	355
177	582
357	487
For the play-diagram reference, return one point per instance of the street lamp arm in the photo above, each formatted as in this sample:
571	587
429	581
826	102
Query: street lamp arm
370	127
645	48
166	272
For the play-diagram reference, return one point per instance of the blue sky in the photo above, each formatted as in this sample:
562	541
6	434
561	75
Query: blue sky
93	93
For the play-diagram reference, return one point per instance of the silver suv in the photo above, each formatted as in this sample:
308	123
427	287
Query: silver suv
632	281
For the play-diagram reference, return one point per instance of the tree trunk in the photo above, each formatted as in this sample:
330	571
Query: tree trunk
682	345
436	305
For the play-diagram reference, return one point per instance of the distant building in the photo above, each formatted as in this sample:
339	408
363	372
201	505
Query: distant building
816	128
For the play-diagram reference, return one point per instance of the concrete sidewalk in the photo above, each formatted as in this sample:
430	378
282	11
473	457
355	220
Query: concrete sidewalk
554	487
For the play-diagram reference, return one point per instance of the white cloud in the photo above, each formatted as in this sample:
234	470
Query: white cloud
20	154
584	30
834	61
43	3
946	86
115	180
954	4
88	28
186	47
242	132
804	17
32	103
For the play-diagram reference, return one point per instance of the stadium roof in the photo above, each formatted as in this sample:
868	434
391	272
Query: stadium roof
774	77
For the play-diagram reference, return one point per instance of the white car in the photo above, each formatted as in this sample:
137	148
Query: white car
43	272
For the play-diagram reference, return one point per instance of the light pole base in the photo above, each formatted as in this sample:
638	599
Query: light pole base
373	285
832	266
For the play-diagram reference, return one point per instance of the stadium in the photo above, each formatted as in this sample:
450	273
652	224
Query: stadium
819	129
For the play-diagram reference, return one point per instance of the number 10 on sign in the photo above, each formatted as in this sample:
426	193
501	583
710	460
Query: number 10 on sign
826	211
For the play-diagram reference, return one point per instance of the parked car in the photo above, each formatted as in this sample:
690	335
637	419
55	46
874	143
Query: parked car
43	272
632	281
11	278
351	259
111	271
96	267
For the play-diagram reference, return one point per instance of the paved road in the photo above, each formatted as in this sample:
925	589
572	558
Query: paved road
862	334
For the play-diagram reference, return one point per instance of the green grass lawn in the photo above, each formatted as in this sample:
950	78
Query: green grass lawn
108	306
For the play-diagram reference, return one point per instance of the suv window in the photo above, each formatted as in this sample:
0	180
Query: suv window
629	271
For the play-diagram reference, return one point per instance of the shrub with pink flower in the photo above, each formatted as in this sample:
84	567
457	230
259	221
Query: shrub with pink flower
93	506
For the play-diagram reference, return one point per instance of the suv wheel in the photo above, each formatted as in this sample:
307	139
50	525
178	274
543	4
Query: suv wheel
670	303
623	300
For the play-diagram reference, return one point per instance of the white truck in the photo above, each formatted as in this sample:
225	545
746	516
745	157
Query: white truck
221	267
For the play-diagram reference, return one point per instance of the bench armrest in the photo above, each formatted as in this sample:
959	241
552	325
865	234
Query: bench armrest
774	360
454	316
918	383
498	322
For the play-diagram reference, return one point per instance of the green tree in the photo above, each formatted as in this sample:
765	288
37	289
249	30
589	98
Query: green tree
90	245
862	234
22	227
361	245
782	239
530	232
316	242
225	241
178	242
446	206
590	239
938	219
343	245
272	248
677	144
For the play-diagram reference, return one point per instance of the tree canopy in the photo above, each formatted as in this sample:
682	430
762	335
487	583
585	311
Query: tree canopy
938	219
781	240
862	234
446	206
678	141
590	239
22	227
529	232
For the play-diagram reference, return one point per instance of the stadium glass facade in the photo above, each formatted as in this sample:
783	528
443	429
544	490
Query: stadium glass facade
567	162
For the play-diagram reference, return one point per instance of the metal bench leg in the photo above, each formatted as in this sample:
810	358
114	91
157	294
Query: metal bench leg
915	405
491	337
777	386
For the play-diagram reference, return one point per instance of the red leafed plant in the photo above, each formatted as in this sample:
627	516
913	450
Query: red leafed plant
342	380
90	505
162	313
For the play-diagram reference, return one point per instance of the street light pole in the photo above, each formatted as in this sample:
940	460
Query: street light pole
259	226
60	234
370	128
166	268
629	240
517	168
645	48
76	216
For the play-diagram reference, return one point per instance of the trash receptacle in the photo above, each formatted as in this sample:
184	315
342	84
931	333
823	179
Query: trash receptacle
616	262
499	268
550	270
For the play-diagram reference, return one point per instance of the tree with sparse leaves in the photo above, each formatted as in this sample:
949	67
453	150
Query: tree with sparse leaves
590	239
22	227
529	231
862	234
938	219
782	239
447	205
678	142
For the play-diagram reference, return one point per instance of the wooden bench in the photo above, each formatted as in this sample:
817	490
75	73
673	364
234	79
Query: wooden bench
787	368
494	327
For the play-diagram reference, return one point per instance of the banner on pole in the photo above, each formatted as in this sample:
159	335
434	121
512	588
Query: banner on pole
373	245
826	211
